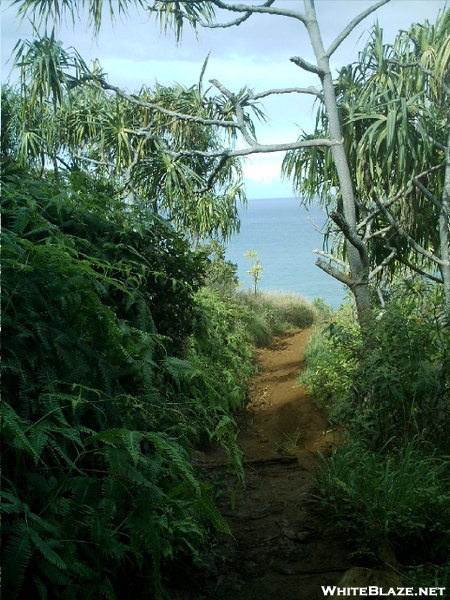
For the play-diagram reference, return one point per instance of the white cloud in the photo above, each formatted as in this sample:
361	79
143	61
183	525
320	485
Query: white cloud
264	168
263	177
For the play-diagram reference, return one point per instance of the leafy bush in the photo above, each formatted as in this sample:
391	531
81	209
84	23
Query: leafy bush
219	273
403	385
222	347
98	491
401	388
404	499
101	407
331	361
390	479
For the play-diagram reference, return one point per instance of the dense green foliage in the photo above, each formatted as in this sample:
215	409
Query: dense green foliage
402	387
389	479
402	498
330	364
116	363
61	115
98	490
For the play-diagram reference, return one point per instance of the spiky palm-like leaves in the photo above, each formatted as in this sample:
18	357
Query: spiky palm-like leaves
394	114
87	128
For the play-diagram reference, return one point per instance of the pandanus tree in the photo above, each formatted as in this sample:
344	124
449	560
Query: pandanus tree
233	109
69	117
355	142
394	113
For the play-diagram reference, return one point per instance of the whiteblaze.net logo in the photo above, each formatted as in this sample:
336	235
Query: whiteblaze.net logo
373	590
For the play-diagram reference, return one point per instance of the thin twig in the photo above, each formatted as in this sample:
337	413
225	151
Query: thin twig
351	26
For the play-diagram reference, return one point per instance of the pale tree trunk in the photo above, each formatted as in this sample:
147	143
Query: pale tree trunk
357	256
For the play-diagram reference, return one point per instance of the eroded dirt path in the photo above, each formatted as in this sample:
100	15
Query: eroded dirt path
282	549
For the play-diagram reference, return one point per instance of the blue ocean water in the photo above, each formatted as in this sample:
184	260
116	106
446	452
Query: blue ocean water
279	229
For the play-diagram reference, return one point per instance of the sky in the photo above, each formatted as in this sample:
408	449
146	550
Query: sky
256	54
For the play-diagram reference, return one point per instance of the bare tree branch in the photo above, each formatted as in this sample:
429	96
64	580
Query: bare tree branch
261	9
426	192
338	261
181	116
210	182
63	162
408	264
407	237
239	124
255	149
330	270
351	236
404	190
306	66
101	163
311	220
418	65
379	233
381	266
432	169
351	26
438	145
239	112
236	22
309	90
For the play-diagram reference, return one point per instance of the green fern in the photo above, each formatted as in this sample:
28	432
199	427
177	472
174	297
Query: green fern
100	408
16	553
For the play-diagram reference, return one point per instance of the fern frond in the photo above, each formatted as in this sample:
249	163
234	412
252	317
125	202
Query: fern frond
46	551
209	509
16	554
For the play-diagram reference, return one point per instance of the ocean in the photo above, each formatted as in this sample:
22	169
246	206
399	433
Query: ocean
284	237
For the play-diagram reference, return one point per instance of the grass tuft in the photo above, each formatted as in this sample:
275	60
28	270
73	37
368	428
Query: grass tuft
281	310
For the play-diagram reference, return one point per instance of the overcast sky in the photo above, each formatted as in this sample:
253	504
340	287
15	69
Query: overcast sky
256	53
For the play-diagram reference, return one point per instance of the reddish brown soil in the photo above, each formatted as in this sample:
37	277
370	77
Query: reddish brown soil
282	550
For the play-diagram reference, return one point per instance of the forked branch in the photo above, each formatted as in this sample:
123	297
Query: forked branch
309	90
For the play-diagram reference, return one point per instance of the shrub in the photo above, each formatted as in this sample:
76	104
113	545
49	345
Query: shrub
219	273
401	388
330	364
98	493
403	385
222	347
390	479
403	498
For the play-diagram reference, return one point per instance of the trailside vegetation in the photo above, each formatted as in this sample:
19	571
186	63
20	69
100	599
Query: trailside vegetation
388	481
117	362
98	490
231	111
362	157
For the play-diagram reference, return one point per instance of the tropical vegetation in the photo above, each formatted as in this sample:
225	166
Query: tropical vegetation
126	346
117	362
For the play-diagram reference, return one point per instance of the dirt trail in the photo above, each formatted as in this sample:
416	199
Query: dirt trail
281	550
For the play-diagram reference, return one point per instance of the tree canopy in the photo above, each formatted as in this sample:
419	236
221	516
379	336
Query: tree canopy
66	116
394	114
